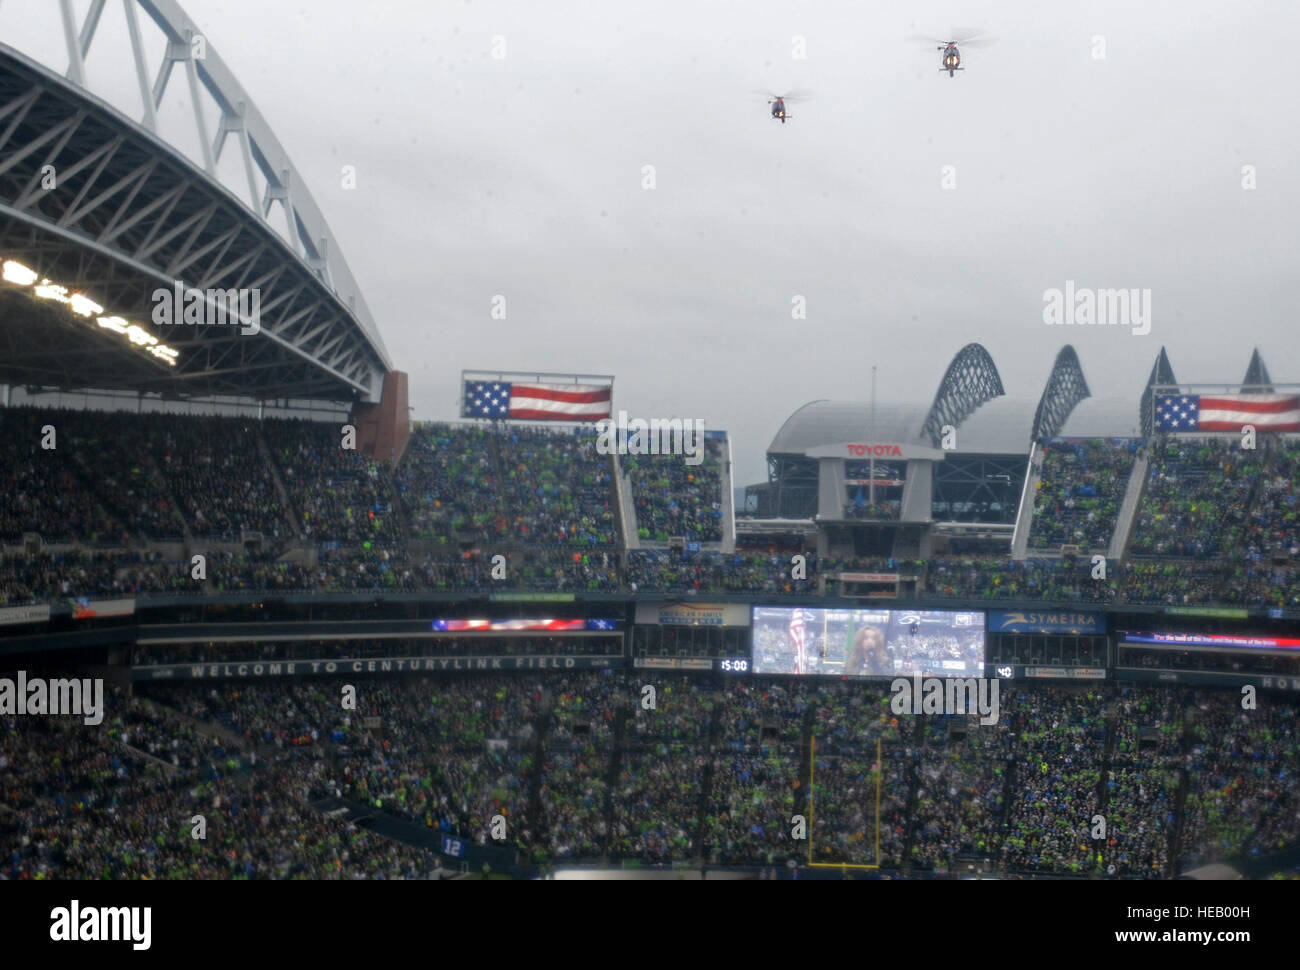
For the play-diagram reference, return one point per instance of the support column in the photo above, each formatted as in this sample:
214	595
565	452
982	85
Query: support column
384	429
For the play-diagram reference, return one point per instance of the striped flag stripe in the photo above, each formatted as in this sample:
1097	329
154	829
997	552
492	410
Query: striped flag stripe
797	636
1272	412
1235	425
569	414
1266	404
561	392
559	402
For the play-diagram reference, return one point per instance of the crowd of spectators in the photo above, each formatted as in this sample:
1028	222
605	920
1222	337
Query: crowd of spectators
215	471
717	572
84	574
1060	580
856	800
1243	767
581	768
446	482
1272	526
961	792
519	484
756	785
1217	524
339	494
1060	758
573	784
1196	498
889	510
117	801
1079	492
43	489
658	790
47	576
675	499
112	452
1141	789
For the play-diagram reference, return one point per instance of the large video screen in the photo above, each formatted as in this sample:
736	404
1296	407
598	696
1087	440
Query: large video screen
867	642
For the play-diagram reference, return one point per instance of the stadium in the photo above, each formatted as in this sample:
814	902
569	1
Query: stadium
362	646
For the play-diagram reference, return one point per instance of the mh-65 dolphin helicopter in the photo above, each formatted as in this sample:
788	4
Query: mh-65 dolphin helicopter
777	101
950	60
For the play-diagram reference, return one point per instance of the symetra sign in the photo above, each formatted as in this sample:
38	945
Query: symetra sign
1008	621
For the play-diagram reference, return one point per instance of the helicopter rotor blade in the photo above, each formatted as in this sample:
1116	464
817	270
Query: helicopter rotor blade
972	38
798	94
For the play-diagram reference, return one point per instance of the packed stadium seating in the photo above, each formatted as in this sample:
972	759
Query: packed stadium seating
119	803
214	469
1212	527
528	486
338	495
44	487
673	498
582	771
1273	524
1196	498
578	769
1079	492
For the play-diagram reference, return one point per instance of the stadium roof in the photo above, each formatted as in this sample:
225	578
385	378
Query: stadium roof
1103	417
832	422
132	215
1000	427
971	398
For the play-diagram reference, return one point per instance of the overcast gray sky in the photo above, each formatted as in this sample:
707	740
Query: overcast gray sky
522	176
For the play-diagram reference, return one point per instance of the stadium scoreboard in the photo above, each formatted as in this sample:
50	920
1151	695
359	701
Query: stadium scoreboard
726	665
868	642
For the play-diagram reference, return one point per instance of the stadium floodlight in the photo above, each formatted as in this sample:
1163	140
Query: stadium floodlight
138	336
15	272
52	291
84	305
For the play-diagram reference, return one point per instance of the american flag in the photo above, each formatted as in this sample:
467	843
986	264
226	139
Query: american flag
460	626
536	402
1196	412
798	637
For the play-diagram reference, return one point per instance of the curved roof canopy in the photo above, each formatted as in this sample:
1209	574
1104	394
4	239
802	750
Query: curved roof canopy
1065	388
970	397
134	215
971	380
832	422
